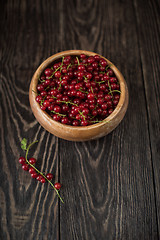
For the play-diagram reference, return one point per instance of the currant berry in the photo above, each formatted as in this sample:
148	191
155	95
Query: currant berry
57	109
104	106
32	161
34	175
91	59
94	112
65	107
116	96
84	122
49	176
57	74
48	72
115	102
43	108
39	177
108	97
90	96
103	63
113	86
82	56
75	123
22	160
56	117
39	99
110	111
46	103
57	185
64	120
43	93
25	167
104	113
31	170
81	67
109	104
97	58
85	111
43	180
40	87
100	101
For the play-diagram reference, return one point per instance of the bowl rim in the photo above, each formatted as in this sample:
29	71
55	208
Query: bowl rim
51	59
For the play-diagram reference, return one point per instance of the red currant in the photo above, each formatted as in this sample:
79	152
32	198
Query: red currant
22	160
75	123
82	56
49	176
31	170
43	180
34	175
48	72
25	167
57	185
84	122
57	74
32	161
39	177
90	96
39	99
57	109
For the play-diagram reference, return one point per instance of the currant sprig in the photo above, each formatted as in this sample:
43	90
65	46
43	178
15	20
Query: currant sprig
28	165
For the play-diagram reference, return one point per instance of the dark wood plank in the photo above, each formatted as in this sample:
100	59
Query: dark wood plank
108	183
28	209
149	42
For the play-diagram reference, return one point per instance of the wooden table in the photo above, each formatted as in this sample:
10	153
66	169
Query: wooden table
111	186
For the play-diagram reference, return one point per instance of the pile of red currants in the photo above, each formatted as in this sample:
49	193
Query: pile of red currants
78	90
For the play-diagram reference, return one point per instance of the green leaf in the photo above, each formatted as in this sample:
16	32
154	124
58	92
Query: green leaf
24	144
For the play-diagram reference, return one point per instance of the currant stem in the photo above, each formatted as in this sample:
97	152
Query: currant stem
110	90
27	150
54	72
77	60
108	66
82	115
85	78
60	83
29	146
82	91
35	92
114	91
41	80
63	115
68	103
61	64
100	82
69	66
42	101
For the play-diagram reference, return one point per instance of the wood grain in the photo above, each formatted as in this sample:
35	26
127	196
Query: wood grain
150	52
111	186
28	209
107	180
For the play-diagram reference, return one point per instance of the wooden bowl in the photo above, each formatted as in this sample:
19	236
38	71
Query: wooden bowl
79	133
